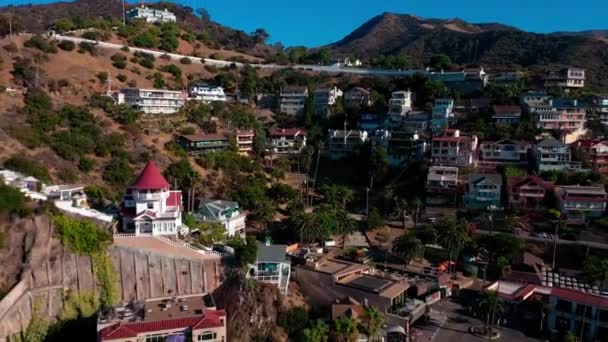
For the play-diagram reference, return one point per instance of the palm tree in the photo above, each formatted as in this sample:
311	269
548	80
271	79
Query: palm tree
345	330
307	226
345	224
427	235
452	235
408	247
490	304
401	209
279	169
415	205
372	322
265	212
317	332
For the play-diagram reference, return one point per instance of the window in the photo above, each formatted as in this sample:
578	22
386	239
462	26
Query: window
150	205
207	336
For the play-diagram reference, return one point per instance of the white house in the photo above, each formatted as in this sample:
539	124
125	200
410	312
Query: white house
325	99
442	112
357	97
152	101
293	100
207	93
150	207
553	155
151	15
504	151
565	78
344	142
400	103
286	140
225	212
581	201
271	266
450	148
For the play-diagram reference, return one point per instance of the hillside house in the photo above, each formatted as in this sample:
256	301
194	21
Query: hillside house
370	122
293	100
506	151
204	143
600	106
343	142
150	207
452	149
412	122
152	101
25	184
286	140
527	193
151	15
484	191
581	202
207	93
400	103
244	141
467	81
325	99
441	114
227	213
593	153
357	97
442	186
271	266
505	115
402	147
553	155
567	78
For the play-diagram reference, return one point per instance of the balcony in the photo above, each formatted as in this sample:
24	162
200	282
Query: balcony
148	196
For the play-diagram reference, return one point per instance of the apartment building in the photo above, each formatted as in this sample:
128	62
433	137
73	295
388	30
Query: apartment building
581	201
442	186
371	122
204	143
325	100
553	155
152	101
402	147
400	103
484	191
293	99
150	207
527	193
271	266
207	93
593	153
505	115
413	122
227	213
244	141
600	106
286	140
343	142
579	312
191	318
568	78
357	97
441	114
506	151
151	15
453	149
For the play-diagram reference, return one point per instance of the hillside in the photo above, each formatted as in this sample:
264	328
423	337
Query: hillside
466	43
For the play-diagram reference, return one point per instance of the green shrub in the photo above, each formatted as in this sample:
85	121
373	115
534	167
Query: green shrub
28	167
84	47
146	39
102	76
38	42
159	81
67	45
173	70
118	172
147	63
90	35
119	61
121	77
81	236
67	175
12	201
86	164
185	60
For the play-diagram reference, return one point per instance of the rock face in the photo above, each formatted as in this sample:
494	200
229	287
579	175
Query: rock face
252	309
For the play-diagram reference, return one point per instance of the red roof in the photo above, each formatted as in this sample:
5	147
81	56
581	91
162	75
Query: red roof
211	319
281	132
588	142
506	109
522	181
175	199
520	294
150	178
580	297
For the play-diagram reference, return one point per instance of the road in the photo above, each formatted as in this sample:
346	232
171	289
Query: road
591	244
223	63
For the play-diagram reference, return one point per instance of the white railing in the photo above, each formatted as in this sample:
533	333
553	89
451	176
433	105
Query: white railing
186	245
123	235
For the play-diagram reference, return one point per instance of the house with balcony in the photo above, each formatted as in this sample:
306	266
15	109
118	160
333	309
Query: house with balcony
442	186
151	15
553	155
341	143
568	308
505	115
25	184
554	114
567	78
506	151
413	122
527	193
441	114
152	101
227	213
581	202
483	191
286	140
402	147
600	107
207	93
204	143
325	100
357	98
453	149
184	318
468	81
244	141
271	266
150	207
292	100
400	103
593	153
371	122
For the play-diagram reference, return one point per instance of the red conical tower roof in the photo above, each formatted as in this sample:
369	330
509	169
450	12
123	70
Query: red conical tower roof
150	178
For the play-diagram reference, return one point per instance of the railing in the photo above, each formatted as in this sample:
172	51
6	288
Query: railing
147	196
186	245
123	235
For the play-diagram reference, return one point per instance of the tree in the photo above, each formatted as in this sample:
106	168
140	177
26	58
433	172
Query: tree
211	233
81	236
378	164
401	209
345	330
11	200
118	172
260	35
453	234
265	211
317	332
336	195
596	269
307	227
440	61
427	235
279	169
371	322
490	305
245	252
293	321
345	224
408	247
501	249
415	205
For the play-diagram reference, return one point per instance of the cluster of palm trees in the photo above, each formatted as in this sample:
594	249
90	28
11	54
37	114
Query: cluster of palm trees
347	329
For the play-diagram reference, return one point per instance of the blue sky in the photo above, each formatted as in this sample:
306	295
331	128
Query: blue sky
317	22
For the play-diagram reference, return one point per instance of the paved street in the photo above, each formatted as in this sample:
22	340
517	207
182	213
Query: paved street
448	325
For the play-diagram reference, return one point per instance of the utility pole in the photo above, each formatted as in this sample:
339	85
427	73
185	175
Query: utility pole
124	14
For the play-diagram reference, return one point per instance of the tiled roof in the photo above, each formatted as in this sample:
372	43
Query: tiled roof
589	142
174	199
580	297
521	181
211	319
280	132
150	178
203	137
146	213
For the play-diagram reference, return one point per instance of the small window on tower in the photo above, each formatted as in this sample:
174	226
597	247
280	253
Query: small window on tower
150	205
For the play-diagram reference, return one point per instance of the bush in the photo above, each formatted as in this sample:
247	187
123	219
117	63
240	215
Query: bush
67	45
12	201
146	39
81	236
86	164
38	42
125	48
84	47
185	60
28	167
67	175
90	35
165	57
147	63
188	130
102	76
119	61
118	172
159	81
121	77
173	70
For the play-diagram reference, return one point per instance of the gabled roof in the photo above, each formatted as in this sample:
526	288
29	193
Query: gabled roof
589	142
580	297
150	178
280	132
272	253
174	199
147	213
550	142
517	182
477	178
205	137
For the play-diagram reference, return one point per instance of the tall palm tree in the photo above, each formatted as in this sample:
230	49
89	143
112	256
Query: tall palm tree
408	247
371	322
345	330
307	226
279	169
452	235
490	304
345	224
317	332
401	209
415	205
265	212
